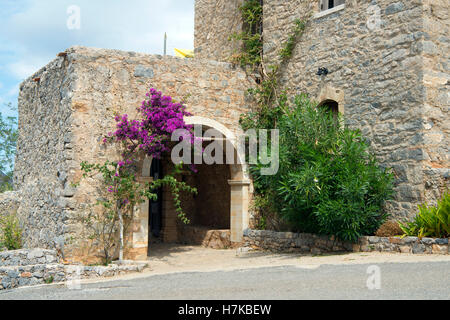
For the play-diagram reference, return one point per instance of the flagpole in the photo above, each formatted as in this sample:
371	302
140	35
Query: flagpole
165	43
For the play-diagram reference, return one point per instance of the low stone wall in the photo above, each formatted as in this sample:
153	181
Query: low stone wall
14	277
310	243
38	266
28	257
402	245
19	276
293	242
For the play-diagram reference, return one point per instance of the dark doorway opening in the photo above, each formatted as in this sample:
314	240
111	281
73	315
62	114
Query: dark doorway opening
156	206
212	203
330	105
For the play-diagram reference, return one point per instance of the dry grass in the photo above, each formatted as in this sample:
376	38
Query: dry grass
389	229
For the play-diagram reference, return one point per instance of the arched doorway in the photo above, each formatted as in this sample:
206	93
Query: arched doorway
239	182
221	203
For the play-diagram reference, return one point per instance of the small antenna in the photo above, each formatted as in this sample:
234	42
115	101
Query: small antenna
165	43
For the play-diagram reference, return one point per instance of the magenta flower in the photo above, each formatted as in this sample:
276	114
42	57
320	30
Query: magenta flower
160	118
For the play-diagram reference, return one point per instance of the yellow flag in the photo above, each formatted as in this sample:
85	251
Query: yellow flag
184	53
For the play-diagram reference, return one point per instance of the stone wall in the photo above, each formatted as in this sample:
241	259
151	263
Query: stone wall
39	266
278	19
215	22
293	242
65	115
43	153
411	245
377	77
9	203
25	257
314	244
435	49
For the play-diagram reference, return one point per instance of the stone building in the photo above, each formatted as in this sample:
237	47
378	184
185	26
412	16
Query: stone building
388	73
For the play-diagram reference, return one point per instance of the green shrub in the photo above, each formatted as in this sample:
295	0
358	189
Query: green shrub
5	186
431	221
10	233
8	141
328	182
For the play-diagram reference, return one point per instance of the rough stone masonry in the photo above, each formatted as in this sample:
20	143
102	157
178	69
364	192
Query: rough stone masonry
391	81
67	108
388	64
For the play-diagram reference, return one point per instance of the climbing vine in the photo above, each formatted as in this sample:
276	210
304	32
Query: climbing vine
251	55
251	36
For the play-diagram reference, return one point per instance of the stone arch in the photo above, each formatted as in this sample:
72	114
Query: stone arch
227	133
239	182
329	93
239	185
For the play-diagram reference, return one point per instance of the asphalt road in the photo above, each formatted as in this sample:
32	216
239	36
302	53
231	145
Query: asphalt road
424	280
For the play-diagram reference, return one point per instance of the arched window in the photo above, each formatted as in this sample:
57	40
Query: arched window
330	4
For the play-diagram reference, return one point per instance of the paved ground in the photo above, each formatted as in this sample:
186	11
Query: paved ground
196	273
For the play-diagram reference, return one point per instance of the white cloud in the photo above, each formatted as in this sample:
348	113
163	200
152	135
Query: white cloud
23	69
137	25
39	31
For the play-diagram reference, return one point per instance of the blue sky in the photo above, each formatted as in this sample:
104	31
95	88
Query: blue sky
33	31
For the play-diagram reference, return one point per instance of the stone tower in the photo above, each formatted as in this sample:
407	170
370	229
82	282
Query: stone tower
388	64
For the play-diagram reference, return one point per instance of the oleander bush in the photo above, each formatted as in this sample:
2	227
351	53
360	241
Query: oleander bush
329	182
431	221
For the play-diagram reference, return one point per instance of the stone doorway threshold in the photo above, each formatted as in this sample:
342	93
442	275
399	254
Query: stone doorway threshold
172	258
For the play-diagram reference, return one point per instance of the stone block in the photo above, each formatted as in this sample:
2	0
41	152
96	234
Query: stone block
440	249
405	249
394	8
395	240
427	241
418	248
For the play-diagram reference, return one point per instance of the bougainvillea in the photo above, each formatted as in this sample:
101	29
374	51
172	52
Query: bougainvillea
161	116
151	135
